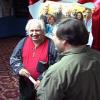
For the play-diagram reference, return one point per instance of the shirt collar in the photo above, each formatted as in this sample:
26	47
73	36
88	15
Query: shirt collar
75	50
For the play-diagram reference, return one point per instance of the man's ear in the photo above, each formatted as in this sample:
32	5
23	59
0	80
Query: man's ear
64	42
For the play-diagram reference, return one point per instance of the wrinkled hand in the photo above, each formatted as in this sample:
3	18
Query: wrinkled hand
24	72
37	84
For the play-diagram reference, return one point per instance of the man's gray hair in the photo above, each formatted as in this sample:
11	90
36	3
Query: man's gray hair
35	22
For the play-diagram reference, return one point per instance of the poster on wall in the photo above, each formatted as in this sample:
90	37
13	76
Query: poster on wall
63	9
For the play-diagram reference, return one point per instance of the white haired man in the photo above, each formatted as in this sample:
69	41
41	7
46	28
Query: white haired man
31	57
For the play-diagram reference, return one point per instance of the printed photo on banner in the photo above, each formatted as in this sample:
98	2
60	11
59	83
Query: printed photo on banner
53	12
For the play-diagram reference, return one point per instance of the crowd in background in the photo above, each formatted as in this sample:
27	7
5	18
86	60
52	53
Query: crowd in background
51	19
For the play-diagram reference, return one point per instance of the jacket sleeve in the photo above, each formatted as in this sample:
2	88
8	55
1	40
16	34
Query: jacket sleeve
16	57
53	53
51	87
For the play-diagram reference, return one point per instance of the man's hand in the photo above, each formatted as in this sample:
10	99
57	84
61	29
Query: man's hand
24	72
37	84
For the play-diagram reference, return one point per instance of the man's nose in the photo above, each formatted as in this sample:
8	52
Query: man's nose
34	32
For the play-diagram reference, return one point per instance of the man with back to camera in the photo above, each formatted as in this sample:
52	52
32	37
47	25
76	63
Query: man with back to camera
76	76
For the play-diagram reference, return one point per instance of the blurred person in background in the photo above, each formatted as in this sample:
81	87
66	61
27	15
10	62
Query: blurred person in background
88	23
50	26
79	15
59	14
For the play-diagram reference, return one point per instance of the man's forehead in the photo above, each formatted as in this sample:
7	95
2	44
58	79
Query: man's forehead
35	26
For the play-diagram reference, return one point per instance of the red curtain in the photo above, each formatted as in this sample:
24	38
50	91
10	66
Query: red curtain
85	1
32	1
96	29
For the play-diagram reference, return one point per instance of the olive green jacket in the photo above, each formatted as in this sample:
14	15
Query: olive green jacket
76	76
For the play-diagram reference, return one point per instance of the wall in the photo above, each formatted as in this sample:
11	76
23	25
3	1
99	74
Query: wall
12	26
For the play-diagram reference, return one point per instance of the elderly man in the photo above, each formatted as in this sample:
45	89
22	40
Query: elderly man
31	57
76	76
